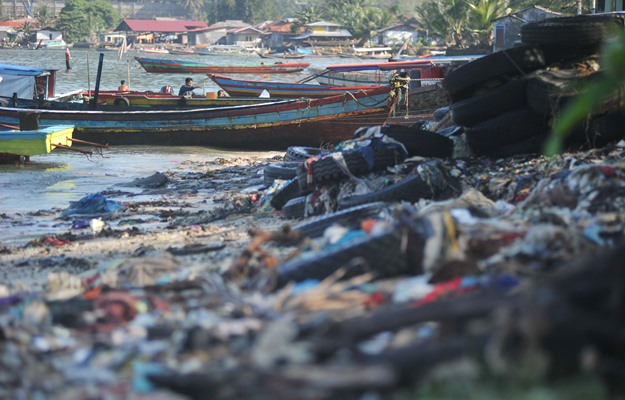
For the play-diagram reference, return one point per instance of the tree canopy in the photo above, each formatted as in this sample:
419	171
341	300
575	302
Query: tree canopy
80	20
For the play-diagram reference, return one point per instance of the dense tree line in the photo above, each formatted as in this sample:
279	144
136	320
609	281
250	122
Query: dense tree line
459	23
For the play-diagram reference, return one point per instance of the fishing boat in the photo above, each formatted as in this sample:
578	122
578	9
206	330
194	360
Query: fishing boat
372	73
159	65
164	100
250	88
15	143
267	126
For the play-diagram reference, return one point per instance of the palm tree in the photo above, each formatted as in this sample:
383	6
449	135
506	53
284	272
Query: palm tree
481	16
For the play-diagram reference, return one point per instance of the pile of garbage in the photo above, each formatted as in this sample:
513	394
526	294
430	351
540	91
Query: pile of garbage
405	264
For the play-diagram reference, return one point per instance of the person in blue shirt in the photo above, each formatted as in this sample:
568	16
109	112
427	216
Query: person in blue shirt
186	90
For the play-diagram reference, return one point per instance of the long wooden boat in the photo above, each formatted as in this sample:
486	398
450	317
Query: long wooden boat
160	65
160	100
267	126
35	142
372	73
249	88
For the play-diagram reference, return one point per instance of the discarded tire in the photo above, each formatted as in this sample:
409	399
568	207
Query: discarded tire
290	191
284	171
608	128
419	142
505	64
327	169
511	127
410	188
295	208
381	254
302	153
577	31
507	97
350	218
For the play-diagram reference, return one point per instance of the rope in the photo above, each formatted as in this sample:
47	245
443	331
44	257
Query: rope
359	102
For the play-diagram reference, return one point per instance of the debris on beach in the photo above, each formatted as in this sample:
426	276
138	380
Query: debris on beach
371	270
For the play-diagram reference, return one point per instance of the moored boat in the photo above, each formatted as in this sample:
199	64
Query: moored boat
267	126
15	143
251	88
372	73
158	65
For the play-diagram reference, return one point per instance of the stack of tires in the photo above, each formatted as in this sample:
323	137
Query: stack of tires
507	101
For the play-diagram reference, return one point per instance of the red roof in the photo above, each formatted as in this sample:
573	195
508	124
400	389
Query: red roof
19	22
151	25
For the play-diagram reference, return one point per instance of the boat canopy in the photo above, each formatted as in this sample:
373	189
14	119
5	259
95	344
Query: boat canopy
26	82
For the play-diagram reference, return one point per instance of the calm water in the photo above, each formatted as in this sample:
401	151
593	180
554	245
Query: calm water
85	66
55	179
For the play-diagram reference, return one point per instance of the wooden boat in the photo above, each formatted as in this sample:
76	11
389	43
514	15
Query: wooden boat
282	56
162	100
267	126
190	67
15	143
251	88
367	74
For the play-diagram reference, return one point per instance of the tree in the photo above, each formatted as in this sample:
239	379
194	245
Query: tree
481	16
80	20
195	8
43	14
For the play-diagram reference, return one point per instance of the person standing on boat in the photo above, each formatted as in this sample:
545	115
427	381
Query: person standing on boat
123	87
68	56
186	90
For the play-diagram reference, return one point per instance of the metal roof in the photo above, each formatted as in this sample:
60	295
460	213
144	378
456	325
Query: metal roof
169	26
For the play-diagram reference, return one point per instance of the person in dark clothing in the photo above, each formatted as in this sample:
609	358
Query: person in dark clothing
186	90
68	56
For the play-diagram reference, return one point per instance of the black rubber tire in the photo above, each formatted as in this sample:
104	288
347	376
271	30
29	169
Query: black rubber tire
383	254
532	145
511	127
578	31
506	64
350	218
302	153
290	191
295	208
608	128
122	102
419	142
410	188
325	170
284	171
559	55
507	97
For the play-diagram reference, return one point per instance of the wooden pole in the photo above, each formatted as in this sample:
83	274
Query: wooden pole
94	101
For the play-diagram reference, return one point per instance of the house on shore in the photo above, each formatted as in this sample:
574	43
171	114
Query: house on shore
143	31
506	29
325	34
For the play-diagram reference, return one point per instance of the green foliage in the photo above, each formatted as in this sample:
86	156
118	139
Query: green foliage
361	17
613	65
43	14
462	23
250	11
82	20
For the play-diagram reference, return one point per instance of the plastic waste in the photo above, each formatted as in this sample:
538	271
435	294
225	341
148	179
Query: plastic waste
92	204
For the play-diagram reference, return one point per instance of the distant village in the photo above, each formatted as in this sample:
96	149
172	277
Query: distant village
174	33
